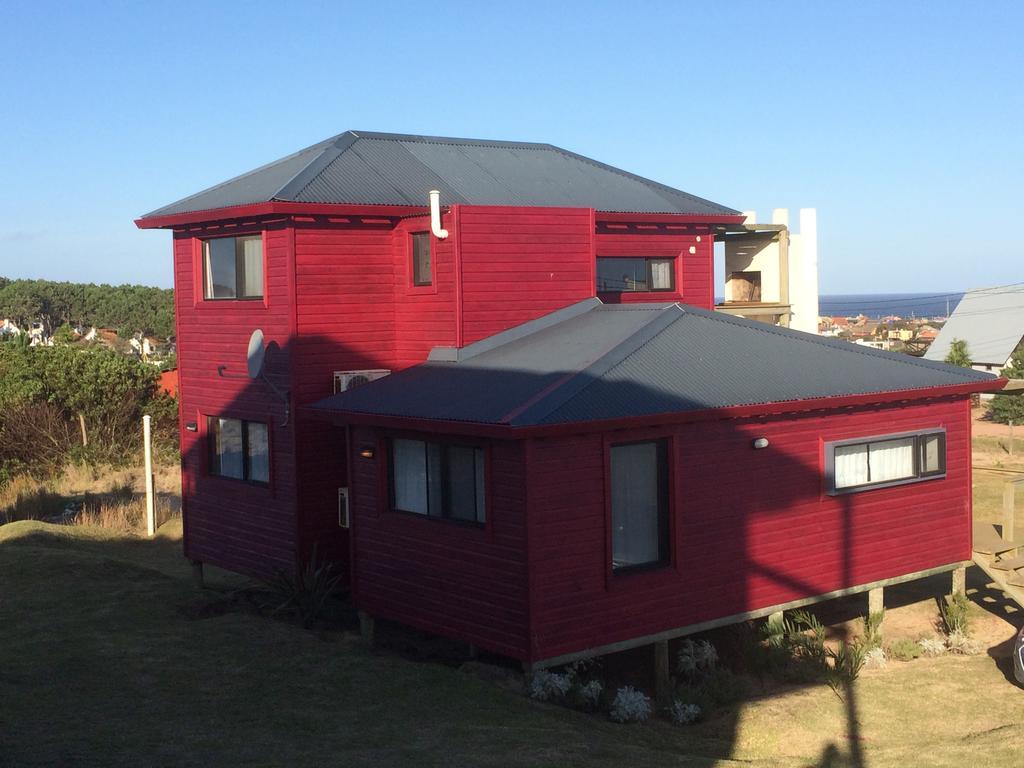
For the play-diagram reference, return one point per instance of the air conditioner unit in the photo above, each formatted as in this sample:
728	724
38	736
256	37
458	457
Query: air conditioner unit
346	380
344	519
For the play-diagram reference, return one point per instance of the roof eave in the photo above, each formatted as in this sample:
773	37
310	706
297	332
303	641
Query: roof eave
695	218
275	207
509	432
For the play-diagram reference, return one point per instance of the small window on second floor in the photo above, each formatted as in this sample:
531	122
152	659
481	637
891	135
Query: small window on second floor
421	267
634	274
233	267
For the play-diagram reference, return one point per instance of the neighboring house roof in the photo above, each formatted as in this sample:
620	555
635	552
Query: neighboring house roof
364	168
990	320
592	362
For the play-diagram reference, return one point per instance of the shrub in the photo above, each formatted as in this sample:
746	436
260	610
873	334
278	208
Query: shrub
962	643
547	686
305	593
904	650
589	693
873	629
931	646
874	658
955	613
630	706
684	714
803	636
719	688
696	659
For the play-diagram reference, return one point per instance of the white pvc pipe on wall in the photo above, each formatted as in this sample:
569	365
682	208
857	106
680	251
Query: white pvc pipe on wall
435	215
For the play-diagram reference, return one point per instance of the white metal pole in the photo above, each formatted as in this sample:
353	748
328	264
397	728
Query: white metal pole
147	438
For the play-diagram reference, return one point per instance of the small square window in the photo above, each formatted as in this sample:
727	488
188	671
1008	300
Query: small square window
239	449
421	266
233	268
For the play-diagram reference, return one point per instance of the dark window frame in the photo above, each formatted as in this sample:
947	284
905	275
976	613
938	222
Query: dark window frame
418	280
648	270
480	500
239	267
664	509
920	473
213	458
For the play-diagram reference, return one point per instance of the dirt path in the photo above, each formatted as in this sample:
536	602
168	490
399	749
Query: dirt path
982	427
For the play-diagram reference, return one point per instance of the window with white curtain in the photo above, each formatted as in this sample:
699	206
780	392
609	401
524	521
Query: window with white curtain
438	479
855	465
239	449
639	491
635	274
233	268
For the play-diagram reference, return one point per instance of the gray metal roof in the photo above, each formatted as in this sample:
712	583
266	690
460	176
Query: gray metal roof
990	320
364	168
618	361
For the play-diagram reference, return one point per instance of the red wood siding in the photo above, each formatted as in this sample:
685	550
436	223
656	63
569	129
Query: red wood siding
695	273
750	528
454	580
425	316
227	522
345	320
521	263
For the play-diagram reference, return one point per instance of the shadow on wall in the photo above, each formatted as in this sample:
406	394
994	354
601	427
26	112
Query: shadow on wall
255	526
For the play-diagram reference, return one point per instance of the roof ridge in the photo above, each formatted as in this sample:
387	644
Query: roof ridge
454	140
842	346
576	383
306	175
247	174
637	177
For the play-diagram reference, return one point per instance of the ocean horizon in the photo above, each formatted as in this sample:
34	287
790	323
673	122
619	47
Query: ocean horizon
876	305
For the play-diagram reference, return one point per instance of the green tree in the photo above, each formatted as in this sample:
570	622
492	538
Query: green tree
63	335
959	354
1006	408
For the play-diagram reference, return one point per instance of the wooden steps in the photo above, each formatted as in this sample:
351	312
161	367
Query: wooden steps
998	558
1009	564
988	541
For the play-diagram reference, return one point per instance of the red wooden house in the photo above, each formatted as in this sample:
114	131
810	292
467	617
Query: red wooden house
522	424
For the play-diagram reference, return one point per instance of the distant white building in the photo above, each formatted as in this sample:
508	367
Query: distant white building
771	273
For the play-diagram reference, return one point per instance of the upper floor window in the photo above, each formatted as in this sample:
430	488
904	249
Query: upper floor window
239	449
421	267
639	490
880	462
438	479
635	274
233	267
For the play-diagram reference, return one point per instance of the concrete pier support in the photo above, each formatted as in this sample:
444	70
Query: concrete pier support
959	585
197	573
366	627
662	675
777	618
876	600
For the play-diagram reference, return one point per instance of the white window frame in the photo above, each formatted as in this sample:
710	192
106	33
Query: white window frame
918	477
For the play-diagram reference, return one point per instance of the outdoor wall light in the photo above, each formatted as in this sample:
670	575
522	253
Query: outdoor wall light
367	453
760	442
192	427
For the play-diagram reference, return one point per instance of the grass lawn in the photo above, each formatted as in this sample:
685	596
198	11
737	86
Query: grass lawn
106	662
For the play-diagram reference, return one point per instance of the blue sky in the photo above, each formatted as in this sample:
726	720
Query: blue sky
902	123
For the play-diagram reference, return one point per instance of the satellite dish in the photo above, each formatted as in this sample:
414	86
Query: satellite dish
254	356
